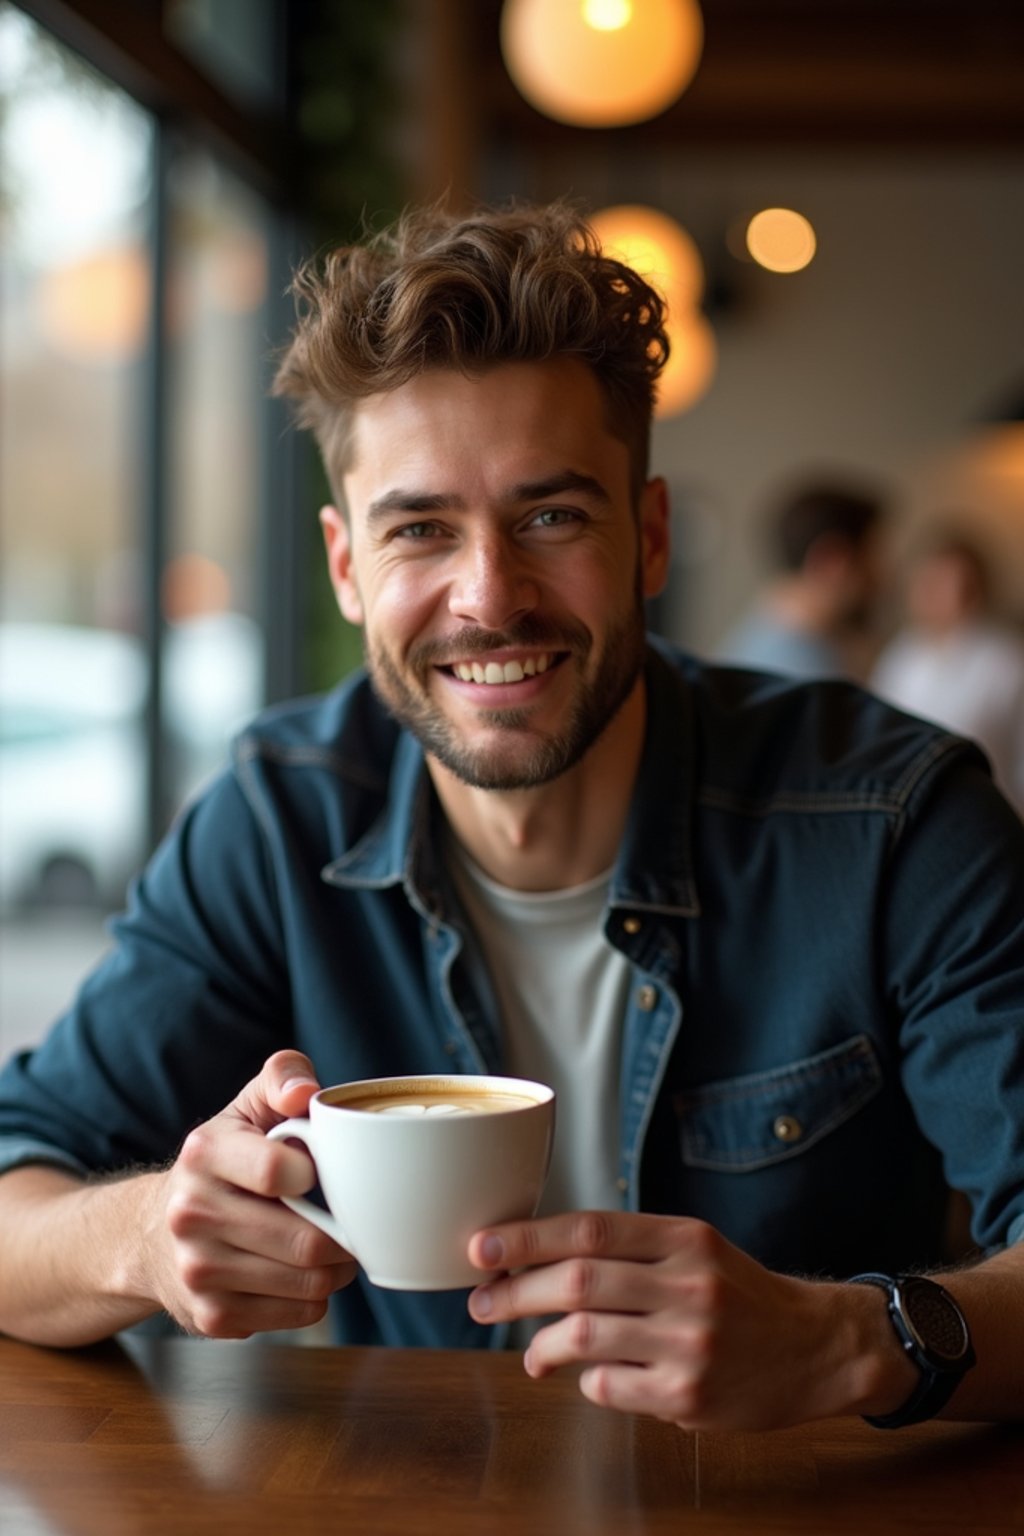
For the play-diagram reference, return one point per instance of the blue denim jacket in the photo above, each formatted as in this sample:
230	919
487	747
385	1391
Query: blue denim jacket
821	900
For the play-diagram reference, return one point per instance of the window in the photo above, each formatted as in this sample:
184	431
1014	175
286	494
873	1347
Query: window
135	455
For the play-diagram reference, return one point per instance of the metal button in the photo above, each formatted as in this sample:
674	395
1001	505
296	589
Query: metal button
632	924
647	997
787	1128
622	1185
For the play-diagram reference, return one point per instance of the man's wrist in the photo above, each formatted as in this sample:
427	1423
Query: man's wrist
853	1365
130	1210
883	1377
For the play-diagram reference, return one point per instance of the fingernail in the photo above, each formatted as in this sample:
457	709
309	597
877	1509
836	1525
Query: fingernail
492	1250
298	1082
483	1306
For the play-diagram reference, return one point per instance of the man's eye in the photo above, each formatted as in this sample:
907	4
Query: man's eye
417	531
555	517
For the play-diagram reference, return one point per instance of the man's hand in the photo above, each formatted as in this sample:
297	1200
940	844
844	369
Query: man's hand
223	1255
670	1319
207	1239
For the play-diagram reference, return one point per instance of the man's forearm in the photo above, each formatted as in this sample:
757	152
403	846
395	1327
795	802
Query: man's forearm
73	1256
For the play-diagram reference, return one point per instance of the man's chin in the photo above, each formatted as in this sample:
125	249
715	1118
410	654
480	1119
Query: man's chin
504	765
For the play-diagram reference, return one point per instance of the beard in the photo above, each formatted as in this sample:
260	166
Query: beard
522	756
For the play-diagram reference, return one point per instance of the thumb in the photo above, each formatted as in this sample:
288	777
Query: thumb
284	1087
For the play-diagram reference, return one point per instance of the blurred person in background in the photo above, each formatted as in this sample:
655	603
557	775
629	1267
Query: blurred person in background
810	620
954	661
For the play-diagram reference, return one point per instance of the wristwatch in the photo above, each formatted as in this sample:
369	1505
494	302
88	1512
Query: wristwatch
933	1331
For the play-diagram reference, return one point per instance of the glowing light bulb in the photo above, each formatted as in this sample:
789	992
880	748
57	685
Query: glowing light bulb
687	375
601	63
607	15
662	252
655	246
781	240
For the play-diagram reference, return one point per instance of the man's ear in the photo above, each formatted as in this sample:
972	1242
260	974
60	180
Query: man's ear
655	538
338	543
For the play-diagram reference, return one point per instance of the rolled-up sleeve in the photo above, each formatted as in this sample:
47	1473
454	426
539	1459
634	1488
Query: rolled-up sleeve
953	955
178	1015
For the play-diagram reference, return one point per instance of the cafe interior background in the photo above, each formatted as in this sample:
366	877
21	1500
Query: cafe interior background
163	164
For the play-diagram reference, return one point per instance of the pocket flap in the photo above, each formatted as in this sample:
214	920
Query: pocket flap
750	1122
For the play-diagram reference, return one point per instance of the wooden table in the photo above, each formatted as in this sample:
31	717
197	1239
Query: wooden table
150	1437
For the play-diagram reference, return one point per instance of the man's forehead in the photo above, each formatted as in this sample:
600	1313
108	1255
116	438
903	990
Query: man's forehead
554	412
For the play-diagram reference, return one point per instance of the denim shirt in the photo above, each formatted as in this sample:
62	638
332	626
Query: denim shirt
820	898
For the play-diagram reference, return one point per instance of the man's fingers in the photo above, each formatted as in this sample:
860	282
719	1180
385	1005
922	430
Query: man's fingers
232	1147
590	1337
232	1153
585	1234
574	1285
639	1389
246	1223
284	1087
221	1269
231	1315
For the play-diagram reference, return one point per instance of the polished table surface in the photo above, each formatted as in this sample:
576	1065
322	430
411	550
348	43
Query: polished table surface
148	1436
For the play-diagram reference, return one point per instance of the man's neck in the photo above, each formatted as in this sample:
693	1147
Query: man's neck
560	834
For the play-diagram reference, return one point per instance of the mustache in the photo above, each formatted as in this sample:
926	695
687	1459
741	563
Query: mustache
543	634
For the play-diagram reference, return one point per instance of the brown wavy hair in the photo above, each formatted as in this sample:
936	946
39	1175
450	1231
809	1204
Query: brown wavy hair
518	283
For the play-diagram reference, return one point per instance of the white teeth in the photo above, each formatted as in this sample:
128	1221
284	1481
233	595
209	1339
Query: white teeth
495	672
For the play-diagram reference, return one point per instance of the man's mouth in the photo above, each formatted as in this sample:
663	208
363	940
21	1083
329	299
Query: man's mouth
499	672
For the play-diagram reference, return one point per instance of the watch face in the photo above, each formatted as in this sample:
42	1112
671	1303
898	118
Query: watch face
935	1320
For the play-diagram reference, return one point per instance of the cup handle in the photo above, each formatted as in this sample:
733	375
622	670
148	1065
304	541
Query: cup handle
298	1130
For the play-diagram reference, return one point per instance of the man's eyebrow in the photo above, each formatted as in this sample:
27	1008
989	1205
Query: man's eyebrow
399	500
422	503
555	485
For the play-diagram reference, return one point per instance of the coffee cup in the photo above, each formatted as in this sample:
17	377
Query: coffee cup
411	1167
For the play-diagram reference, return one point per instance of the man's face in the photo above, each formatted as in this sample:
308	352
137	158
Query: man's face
495	559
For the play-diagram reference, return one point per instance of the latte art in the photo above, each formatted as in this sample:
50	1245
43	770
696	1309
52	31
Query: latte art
409	1108
451	1102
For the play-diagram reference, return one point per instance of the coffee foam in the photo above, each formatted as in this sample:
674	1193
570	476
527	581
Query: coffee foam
440	1099
471	1104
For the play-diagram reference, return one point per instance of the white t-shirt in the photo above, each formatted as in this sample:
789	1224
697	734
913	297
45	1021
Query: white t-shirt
562	990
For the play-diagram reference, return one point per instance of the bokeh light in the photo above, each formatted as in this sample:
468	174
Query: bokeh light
781	240
601	63
662	252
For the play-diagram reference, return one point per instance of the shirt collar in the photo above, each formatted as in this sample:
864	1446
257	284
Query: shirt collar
392	847
654	871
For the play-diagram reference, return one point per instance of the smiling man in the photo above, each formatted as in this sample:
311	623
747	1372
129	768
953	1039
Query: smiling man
766	940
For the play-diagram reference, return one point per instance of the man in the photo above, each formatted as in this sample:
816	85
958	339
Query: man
955	662
785	975
809	620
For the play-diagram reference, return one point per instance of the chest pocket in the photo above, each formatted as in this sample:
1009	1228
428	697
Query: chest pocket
750	1122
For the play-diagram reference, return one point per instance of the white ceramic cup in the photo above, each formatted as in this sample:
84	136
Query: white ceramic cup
411	1167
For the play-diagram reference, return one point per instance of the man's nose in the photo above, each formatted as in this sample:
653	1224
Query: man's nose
491	584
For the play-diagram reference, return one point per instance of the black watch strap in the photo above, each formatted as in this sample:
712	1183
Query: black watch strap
933	1333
